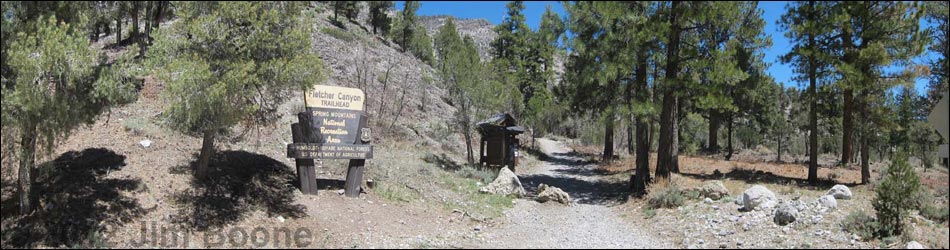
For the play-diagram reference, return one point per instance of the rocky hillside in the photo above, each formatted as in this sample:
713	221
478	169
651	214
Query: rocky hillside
405	98
479	29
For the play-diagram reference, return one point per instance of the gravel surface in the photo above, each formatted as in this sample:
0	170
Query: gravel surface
583	224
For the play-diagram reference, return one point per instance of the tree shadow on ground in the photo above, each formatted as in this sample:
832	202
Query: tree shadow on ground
330	184
759	176
76	200
442	160
583	190
8	203
239	182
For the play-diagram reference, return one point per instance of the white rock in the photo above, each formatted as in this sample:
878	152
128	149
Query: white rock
840	192
145	143
550	193
785	214
507	183
758	197
828	201
915	245
714	190
707	200
281	219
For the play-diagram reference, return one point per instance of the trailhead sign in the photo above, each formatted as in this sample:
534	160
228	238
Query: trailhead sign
335	116
332	127
336	113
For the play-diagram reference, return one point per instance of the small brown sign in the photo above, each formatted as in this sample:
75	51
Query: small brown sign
324	151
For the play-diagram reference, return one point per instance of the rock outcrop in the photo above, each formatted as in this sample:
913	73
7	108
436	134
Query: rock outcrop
840	192
785	214
757	197
507	183
548	193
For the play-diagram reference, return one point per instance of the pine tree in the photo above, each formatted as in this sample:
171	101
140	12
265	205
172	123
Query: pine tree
379	17
463	73
594	76
936	13
806	25
55	81
735	84
407	25
349	9
895	194
421	46
692	30
239	71
542	111
872	35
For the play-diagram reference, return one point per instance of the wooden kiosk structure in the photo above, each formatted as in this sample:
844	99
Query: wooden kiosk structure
498	146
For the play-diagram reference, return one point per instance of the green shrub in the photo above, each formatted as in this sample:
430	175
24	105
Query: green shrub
649	213
395	192
935	212
928	208
667	197
340	34
895	195
484	175
860	223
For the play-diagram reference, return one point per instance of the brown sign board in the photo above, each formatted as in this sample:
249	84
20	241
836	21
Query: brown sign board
325	151
334	125
334	114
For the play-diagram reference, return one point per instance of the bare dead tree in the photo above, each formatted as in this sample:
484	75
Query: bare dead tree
402	100
382	93
424	88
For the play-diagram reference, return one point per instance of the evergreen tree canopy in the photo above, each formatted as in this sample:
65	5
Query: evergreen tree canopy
227	63
55	81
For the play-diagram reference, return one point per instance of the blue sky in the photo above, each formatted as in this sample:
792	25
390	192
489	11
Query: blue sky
494	12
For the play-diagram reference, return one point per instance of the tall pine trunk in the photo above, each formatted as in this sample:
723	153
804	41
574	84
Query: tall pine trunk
847	127
665	153
865	135
714	125
631	149
813	112
468	148
665	150
118	29
204	159
149	8
631	136
779	157
675	147
135	20
27	155
608	154
642	172
730	148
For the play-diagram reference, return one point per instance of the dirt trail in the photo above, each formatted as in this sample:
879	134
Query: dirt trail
589	223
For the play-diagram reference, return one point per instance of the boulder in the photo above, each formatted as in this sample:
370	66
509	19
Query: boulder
714	190
757	197
549	193
915	245
507	183
785	214
840	192
828	202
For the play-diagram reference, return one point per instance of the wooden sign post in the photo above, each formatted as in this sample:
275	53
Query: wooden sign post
333	127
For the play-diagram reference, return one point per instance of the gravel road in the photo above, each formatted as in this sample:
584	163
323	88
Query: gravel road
588	223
